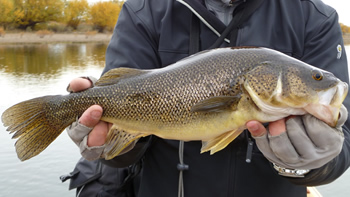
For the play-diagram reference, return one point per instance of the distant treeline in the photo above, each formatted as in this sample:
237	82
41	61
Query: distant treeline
64	15
58	15
345	29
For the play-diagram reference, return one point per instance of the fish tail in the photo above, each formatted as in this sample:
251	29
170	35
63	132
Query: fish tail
36	123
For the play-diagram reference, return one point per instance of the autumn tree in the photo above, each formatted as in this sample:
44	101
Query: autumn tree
6	13
75	12
27	13
104	15
345	29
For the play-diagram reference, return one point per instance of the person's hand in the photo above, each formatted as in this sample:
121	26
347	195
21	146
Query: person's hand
89	132
300	142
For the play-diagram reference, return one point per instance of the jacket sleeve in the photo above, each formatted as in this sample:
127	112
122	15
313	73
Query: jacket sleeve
132	45
324	48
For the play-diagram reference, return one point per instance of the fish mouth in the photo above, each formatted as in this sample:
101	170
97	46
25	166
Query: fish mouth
328	107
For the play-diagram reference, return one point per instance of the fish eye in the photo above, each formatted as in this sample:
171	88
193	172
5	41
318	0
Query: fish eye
317	75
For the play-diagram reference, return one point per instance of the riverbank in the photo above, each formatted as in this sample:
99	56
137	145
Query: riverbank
34	38
346	39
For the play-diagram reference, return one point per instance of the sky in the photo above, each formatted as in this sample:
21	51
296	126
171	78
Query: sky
342	7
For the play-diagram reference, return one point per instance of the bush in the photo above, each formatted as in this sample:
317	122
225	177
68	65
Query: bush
2	32
84	27
40	26
56	27
29	29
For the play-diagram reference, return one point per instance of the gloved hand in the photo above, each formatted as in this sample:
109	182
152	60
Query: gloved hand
89	132
307	143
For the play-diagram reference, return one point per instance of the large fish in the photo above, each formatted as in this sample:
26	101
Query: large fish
208	96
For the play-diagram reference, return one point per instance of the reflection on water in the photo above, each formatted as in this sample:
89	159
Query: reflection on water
35	70
28	71
49	59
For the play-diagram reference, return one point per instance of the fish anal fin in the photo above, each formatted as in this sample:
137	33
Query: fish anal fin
119	142
216	104
113	76
220	142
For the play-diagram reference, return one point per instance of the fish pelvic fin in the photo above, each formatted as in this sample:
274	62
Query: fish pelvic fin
119	142
220	142
33	125
217	104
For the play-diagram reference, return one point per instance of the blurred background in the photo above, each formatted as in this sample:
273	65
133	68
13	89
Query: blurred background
45	44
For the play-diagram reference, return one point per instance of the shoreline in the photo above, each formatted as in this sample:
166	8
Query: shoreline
346	39
33	38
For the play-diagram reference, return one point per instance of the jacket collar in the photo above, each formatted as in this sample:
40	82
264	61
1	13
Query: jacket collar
198	8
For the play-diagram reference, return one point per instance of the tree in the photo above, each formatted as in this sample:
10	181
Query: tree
6	13
75	12
30	12
345	29
104	15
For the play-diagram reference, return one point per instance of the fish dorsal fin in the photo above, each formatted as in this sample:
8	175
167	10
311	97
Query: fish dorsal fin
216	104
220	142
119	142
115	75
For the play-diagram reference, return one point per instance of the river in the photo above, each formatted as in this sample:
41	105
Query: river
28	71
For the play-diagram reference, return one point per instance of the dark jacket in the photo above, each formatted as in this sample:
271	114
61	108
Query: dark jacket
155	33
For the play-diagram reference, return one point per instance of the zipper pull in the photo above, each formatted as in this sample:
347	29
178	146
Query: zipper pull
248	158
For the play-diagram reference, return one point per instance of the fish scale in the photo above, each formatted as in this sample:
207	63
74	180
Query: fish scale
208	96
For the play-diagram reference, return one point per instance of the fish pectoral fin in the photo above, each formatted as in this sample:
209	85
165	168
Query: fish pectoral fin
220	142
216	104
119	142
113	76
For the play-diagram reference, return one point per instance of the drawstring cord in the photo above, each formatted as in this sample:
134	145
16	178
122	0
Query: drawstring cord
248	157
181	167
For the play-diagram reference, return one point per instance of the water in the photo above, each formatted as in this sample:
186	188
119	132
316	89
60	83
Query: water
28	71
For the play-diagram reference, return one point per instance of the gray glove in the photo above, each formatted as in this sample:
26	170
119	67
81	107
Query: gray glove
308	143
79	134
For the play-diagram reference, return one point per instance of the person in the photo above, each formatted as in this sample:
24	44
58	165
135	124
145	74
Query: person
278	159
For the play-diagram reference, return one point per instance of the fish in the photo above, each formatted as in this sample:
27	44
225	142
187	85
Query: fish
208	97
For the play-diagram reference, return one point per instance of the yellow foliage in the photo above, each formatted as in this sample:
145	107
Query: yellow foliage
75	12
6	10
345	29
105	14
2	32
30	12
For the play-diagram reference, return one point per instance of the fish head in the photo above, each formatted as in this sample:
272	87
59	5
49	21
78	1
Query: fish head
286	86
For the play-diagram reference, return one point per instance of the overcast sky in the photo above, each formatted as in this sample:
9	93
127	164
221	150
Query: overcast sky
342	7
